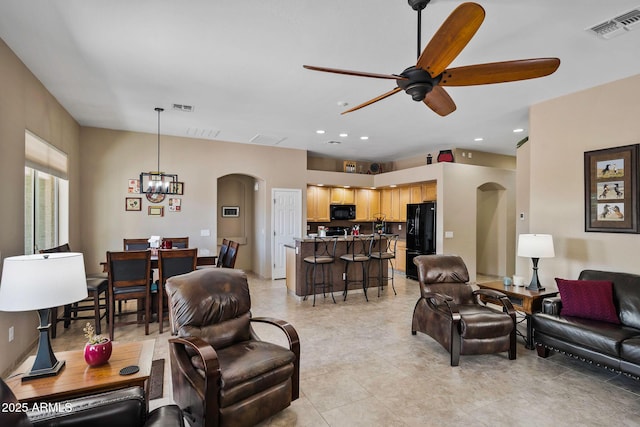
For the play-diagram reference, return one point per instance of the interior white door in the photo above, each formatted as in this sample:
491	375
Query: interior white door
287	224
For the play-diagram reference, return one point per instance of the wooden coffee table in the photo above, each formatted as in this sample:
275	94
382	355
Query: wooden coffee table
523	300
79	379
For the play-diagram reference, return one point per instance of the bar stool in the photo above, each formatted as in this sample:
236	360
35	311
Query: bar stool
357	252
383	252
324	253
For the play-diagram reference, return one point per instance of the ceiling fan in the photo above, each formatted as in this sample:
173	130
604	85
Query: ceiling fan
425	81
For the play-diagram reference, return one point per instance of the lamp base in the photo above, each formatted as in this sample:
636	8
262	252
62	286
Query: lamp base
45	364
535	282
46	372
532	287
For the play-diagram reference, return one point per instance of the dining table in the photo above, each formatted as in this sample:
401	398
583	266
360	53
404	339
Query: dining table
202	261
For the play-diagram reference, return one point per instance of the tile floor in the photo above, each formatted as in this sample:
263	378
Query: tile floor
360	366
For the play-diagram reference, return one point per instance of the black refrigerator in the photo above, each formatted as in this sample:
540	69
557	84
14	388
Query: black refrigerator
421	233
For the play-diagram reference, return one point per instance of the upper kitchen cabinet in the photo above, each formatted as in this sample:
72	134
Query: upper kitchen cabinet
342	196
423	192
317	204
367	204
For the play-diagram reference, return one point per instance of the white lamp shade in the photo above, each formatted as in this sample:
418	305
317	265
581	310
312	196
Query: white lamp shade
535	246
34	282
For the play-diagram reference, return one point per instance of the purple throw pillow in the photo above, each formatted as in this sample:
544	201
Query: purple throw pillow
589	299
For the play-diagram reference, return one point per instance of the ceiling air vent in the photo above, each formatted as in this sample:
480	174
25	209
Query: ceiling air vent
618	25
630	20
267	139
202	133
182	107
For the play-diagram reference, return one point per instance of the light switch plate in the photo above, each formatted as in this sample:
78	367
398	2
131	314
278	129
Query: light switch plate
448	234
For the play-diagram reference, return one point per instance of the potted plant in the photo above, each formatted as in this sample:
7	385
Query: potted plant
97	350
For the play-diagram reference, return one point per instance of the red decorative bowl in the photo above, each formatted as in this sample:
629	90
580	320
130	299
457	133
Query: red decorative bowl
97	354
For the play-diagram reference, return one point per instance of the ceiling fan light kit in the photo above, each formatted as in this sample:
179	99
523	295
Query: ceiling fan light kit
426	80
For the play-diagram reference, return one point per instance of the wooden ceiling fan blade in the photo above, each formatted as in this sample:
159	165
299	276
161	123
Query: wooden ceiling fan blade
376	99
440	101
499	72
451	38
354	73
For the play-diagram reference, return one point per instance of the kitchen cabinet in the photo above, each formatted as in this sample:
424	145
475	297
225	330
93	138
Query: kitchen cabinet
423	192
367	204
342	196
405	198
317	204
400	263
429	192
385	202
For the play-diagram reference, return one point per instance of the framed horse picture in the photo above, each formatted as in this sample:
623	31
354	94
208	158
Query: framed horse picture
610	189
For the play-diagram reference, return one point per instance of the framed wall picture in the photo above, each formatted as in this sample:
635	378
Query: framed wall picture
610	187
134	186
133	203
177	188
156	210
175	204
230	211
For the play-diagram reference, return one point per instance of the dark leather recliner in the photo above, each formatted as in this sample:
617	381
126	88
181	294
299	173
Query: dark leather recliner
222	373
123	408
452	313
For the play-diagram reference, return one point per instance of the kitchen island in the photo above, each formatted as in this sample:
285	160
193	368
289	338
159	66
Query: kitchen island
303	247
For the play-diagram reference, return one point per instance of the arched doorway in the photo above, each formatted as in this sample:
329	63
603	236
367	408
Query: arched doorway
237	191
491	230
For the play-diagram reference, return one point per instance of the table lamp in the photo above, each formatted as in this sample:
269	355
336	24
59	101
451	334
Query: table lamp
41	282
535	246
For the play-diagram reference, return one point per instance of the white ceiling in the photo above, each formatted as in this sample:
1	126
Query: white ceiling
239	64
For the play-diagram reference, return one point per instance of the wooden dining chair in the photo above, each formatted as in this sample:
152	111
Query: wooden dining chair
232	254
129	278
172	262
96	296
224	248
135	244
178	242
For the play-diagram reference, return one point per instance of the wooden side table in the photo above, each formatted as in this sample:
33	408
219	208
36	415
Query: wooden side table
79	379
523	300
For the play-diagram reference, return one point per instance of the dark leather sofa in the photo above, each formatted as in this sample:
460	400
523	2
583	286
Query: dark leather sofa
123	408
612	346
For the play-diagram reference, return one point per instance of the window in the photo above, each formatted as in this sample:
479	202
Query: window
46	195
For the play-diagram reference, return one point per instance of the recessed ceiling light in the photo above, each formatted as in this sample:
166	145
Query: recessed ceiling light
320	185
320	131
393	186
342	103
364	138
344	135
479	139
518	130
347	186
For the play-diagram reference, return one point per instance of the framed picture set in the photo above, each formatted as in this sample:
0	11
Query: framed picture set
156	210
610	190
133	203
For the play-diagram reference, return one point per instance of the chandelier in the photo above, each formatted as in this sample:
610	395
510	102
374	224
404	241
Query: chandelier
157	182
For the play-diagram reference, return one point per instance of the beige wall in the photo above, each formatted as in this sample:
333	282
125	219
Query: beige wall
26	104
562	130
110	158
458	187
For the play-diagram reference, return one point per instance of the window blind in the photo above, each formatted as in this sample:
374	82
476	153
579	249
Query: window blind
44	157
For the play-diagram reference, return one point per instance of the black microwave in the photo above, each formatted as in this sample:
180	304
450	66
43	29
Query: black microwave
343	211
